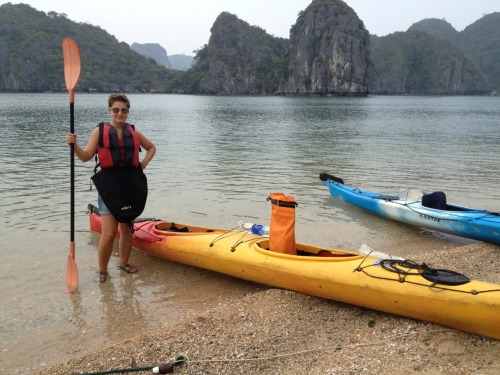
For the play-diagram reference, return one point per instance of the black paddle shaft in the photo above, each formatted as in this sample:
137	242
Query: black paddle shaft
72	162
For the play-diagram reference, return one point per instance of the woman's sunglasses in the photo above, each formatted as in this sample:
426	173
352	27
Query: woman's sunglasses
123	110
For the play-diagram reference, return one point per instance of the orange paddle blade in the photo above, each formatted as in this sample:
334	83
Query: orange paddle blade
71	270
72	65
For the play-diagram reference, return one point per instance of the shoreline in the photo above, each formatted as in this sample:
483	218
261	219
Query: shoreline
282	332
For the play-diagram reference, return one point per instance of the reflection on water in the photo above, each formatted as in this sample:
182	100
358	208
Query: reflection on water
218	158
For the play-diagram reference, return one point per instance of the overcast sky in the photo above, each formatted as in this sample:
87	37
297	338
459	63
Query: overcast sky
182	26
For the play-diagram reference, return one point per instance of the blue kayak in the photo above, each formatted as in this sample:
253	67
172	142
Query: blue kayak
423	210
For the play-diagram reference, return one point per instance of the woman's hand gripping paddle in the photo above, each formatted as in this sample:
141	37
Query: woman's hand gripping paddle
72	65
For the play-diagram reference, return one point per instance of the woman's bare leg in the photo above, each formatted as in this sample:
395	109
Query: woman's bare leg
108	235
126	246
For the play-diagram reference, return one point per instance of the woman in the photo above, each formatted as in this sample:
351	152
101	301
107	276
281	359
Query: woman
119	107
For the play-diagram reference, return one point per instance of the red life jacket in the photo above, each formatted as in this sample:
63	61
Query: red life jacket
113	154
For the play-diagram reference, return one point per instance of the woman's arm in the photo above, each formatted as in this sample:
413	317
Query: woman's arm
147	145
87	153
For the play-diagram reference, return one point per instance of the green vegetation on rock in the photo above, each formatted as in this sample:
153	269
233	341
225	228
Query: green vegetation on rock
329	52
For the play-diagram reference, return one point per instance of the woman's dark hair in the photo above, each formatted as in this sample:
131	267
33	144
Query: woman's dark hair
119	97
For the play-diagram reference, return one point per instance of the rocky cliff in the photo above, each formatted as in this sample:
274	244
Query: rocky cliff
241	59
479	42
329	51
419	63
327	54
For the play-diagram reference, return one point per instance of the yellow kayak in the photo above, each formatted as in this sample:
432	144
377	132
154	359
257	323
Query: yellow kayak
394	286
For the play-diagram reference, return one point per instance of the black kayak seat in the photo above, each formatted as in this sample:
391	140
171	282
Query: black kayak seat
435	200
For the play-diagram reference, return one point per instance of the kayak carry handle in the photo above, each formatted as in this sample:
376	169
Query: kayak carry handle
325	176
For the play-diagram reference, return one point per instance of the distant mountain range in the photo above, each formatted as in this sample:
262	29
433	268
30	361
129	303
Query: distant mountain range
329	52
159	54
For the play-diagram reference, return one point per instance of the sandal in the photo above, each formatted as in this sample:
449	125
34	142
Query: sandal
128	268
103	276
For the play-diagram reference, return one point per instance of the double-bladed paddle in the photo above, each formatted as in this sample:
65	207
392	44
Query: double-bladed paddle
72	66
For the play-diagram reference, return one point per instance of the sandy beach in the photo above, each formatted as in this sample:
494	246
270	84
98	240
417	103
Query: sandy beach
217	161
282	332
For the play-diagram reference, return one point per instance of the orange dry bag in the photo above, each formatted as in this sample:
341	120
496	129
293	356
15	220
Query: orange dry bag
282	228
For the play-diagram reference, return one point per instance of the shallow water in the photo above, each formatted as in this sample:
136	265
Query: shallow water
218	159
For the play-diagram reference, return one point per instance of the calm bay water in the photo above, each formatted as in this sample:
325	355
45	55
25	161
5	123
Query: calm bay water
218	158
